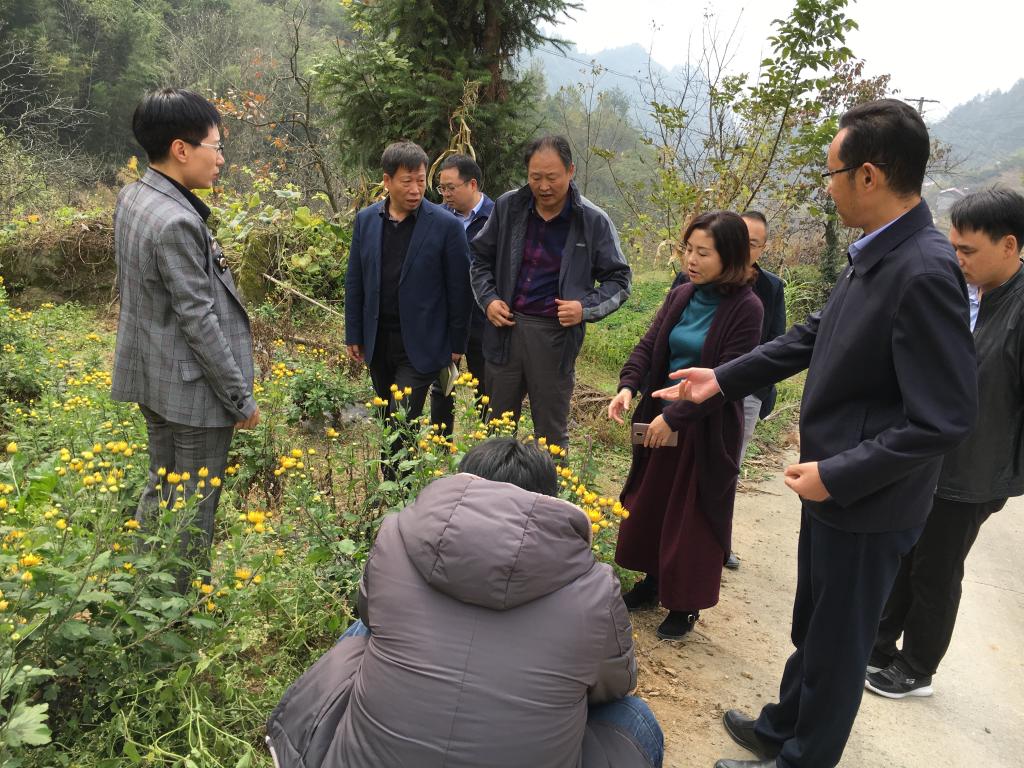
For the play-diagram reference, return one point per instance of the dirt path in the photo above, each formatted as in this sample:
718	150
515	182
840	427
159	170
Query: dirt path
735	658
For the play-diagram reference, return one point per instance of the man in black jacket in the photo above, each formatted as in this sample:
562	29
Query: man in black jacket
891	387
547	262
978	475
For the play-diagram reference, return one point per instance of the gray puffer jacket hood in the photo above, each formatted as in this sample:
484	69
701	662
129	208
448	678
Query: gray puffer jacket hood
494	544
492	629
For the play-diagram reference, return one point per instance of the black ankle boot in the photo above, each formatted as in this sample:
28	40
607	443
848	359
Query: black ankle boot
642	596
677	625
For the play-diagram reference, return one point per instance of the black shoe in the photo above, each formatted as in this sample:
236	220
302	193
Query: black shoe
732	562
878	661
643	596
746	763
677	625
893	683
741	728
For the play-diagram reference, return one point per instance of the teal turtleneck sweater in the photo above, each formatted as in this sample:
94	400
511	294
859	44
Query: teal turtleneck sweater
686	340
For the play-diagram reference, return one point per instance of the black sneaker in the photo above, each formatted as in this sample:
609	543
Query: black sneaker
878	661
643	596
893	683
677	625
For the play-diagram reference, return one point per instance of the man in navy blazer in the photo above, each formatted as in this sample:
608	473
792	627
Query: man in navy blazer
891	387
407	292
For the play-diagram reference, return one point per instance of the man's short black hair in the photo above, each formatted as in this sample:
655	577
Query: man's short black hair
507	460
168	114
891	134
997	212
403	154
559	144
756	216
467	168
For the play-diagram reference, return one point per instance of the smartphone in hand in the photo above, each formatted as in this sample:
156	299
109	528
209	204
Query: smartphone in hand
639	430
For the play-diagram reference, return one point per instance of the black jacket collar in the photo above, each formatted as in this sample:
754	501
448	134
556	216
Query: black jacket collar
997	295
201	208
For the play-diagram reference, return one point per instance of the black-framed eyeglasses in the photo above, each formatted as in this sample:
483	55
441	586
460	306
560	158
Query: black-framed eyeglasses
219	146
847	169
442	188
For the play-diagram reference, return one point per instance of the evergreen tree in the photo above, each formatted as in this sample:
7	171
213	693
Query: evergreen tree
407	69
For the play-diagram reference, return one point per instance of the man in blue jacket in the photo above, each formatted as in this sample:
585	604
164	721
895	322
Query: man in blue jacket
407	294
460	184
546	263
891	386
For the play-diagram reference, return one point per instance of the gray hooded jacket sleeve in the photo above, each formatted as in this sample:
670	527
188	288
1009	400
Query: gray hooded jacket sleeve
617	673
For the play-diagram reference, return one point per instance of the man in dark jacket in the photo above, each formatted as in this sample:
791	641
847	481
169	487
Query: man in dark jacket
407	293
535	265
460	184
978	475
495	639
891	387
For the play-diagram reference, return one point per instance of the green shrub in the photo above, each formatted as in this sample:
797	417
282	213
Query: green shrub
273	231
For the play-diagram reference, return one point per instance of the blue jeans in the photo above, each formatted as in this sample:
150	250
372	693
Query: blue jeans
630	714
355	629
634	718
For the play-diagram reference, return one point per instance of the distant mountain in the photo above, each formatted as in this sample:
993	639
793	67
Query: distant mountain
630	64
627	68
987	131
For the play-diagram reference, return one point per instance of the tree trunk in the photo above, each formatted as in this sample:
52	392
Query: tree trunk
495	91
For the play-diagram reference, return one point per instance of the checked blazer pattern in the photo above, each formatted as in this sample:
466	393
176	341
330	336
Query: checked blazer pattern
184	346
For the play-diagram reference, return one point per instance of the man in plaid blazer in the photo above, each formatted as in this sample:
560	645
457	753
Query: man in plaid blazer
184	347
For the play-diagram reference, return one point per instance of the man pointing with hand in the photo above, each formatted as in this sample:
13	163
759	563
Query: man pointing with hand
891	386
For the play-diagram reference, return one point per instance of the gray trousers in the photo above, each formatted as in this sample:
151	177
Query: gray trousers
180	448
751	410
535	357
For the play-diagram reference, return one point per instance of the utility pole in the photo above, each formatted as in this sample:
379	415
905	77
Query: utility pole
921	101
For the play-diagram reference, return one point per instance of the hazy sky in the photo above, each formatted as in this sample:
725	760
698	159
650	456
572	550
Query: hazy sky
937	50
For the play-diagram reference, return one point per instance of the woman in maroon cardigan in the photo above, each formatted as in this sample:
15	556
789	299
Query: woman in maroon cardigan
680	494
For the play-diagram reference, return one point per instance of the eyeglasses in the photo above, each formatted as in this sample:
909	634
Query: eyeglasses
219	146
442	188
847	169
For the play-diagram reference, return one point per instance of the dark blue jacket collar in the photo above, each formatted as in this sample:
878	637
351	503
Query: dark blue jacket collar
486	208
914	220
484	211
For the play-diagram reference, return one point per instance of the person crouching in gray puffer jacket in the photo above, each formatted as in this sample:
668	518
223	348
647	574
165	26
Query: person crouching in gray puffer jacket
490	636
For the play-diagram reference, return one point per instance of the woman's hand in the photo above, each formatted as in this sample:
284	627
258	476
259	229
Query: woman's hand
657	433
620	404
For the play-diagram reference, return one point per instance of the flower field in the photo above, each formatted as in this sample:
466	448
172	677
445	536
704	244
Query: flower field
102	662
